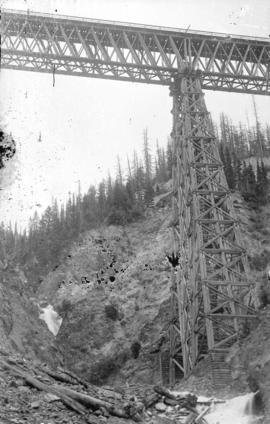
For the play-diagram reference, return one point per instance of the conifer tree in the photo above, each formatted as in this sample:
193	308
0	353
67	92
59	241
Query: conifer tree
161	165
102	200
147	158
260	142
119	174
248	183
237	169
148	189
262	184
169	158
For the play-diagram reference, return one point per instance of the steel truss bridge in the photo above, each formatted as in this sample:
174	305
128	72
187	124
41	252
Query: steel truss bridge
212	297
129	52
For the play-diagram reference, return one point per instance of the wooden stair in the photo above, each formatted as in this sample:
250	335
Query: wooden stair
221	372
164	367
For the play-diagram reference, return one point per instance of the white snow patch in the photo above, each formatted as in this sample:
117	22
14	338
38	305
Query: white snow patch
51	318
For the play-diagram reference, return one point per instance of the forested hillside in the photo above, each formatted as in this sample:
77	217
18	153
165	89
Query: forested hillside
123	198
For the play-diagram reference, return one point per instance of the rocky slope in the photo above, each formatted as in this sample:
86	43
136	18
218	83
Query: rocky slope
112	292
21	330
250	363
250	360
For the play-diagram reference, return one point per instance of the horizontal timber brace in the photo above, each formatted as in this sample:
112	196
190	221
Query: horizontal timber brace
103	49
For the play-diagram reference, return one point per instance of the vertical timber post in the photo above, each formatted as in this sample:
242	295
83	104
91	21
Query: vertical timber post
212	297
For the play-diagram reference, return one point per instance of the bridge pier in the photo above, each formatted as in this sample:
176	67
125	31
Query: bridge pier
212	297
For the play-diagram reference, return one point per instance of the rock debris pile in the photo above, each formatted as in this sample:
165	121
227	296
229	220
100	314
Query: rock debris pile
33	393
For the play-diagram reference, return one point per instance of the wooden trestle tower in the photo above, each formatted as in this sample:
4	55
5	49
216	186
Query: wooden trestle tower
211	294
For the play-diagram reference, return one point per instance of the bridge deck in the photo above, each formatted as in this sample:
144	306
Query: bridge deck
132	52
130	25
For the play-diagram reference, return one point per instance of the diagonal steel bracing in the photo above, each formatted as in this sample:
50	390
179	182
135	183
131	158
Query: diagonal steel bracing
112	50
212	302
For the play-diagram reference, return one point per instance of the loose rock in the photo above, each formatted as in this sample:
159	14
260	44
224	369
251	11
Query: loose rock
160	407
35	404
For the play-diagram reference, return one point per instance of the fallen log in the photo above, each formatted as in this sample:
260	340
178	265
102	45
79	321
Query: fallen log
74	376
195	417
92	402
78	401
164	392
170	402
129	410
105	394
200	419
60	376
210	402
191	418
32	381
188	401
151	399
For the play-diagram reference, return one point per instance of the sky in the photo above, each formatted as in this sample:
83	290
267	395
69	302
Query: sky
73	131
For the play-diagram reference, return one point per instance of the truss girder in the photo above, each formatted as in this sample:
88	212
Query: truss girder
212	294
102	49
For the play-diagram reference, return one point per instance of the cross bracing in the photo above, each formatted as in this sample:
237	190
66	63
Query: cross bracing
130	52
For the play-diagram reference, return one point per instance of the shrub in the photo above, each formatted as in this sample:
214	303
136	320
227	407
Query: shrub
264	294
83	349
259	261
121	216
117	216
101	371
65	307
111	312
135	349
